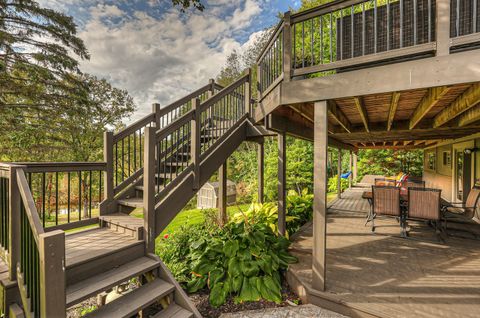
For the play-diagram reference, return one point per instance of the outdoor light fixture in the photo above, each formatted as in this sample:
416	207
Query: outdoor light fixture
469	151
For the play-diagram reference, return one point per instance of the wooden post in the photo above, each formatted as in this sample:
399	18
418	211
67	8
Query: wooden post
339	174
259	82
320	195
350	161
15	225
156	111
354	173
287	47
222	194
149	189
261	170
247	93
443	27
53	297
108	177
195	142
211	91
282	182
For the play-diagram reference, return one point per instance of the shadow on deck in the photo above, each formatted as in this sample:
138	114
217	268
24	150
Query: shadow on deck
383	275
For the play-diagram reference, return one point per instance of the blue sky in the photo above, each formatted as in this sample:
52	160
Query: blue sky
158	53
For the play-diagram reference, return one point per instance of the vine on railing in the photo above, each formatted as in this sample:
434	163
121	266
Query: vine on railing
65	193
4	210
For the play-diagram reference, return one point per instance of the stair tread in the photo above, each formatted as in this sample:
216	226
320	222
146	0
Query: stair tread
131	303
174	311
101	282
84	246
124	220
132	202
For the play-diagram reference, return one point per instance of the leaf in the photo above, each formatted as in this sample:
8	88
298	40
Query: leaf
234	267
196	284
249	292
289	259
197	244
271	293
215	276
204	267
218	294
237	283
230	248
250	269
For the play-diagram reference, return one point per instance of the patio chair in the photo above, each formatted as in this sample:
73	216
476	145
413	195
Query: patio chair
470	211
386	201
425	204
385	182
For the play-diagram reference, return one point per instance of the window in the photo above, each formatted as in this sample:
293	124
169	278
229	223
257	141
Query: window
447	158
431	161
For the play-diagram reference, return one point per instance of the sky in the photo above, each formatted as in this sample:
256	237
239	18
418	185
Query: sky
156	52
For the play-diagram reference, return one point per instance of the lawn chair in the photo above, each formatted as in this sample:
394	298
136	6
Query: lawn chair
425	204
386	201
465	212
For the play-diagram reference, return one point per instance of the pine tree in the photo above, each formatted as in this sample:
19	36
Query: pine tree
38	51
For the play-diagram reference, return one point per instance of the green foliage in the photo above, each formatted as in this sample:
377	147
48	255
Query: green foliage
299	209
185	4
390	162
332	184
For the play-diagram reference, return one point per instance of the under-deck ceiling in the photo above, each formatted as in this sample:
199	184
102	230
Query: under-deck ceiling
407	119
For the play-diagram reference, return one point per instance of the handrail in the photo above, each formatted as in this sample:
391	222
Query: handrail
29	206
185	99
63	166
322	9
227	90
134	127
271	40
162	133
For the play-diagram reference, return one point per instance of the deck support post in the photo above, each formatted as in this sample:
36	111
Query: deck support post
247	92
339	174
261	170
149	189
53	296
320	195
222	194
350	162
15	225
354	169
282	182
108	177
443	27
287	47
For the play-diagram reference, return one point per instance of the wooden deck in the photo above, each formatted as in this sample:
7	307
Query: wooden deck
384	275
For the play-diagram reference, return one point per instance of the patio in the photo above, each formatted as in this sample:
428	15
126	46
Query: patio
383	275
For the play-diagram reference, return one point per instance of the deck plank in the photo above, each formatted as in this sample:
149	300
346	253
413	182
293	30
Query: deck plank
388	276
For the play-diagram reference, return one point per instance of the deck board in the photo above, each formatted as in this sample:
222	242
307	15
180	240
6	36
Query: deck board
93	243
388	276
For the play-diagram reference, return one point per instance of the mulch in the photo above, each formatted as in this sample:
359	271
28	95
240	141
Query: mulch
200	300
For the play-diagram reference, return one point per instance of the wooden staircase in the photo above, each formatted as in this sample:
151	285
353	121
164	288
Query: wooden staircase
154	166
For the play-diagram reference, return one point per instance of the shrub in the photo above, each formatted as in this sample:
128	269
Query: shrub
332	184
299	209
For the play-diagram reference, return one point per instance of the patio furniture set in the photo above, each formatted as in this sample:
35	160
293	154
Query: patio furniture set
410	200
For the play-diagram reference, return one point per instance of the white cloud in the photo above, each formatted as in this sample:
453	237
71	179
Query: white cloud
160	59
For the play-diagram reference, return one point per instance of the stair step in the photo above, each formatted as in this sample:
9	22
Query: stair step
131	202
174	311
133	302
122	220
96	284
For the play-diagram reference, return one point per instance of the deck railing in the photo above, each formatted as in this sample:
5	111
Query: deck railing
35	258
173	152
4	212
124	150
343	35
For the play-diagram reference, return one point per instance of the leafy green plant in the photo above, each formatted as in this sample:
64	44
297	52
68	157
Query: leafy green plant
299	209
332	184
244	260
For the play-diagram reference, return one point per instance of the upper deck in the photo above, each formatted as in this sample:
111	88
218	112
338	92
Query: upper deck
384	66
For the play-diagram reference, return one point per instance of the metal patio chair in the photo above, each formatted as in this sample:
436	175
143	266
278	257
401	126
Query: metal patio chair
425	204
386	201
468	211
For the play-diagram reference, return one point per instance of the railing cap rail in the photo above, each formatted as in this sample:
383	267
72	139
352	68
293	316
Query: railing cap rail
322	9
61	166
227	90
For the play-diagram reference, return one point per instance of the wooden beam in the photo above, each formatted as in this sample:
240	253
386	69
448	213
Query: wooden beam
320	196
339	174
261	171
363	112
418	142
282	183
222	194
432	97
339	116
393	109
464	102
298	111
470	116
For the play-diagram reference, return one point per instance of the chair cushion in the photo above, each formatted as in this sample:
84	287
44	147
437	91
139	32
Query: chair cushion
456	210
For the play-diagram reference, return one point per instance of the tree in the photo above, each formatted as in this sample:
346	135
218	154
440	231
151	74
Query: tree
37	49
185	4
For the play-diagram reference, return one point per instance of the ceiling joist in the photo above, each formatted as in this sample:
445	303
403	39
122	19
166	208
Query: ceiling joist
339	116
432	97
464	102
393	109
469	117
363	112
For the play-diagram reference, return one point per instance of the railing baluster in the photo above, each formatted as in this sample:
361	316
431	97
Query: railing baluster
68	197
43	198
375	26
331	37
352	29
401	23
320	18
56	198
340	33
388	25
80	194
363	28
415	22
